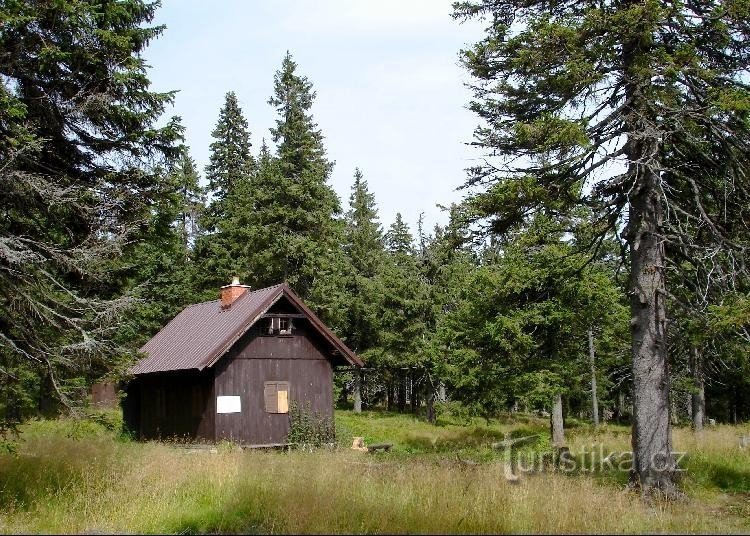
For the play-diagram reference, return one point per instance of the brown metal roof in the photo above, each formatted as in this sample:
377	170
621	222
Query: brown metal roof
202	333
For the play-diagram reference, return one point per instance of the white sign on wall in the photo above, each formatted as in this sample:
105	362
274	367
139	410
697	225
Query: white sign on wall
228	404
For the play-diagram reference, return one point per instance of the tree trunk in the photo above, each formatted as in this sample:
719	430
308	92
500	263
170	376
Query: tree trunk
414	400
653	462
442	397
652	436
594	399
401	392
698	398
431	418
558	430
343	395
621	409
357	391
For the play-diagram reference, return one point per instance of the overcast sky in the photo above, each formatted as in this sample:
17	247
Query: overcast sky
390	94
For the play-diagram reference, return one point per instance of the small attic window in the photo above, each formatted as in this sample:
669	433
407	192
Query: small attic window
280	326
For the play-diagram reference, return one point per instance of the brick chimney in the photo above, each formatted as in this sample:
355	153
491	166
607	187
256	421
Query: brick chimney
231	292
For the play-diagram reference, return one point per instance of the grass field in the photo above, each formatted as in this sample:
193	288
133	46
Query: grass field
80	476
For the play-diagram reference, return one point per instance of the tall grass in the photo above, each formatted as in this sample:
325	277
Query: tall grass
56	483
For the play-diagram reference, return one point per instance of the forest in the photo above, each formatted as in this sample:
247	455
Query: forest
593	268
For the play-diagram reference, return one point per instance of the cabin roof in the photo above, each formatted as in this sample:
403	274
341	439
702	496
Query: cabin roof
202	333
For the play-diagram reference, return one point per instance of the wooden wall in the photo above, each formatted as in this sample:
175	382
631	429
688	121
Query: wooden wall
182	404
174	405
104	395
258	358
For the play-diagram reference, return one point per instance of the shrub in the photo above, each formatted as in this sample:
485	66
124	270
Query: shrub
309	428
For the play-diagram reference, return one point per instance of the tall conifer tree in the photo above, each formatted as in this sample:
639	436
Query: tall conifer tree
229	173
645	103
364	248
230	161
78	143
294	230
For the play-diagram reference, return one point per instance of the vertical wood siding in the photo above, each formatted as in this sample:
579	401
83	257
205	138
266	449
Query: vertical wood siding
256	359
182	404
171	406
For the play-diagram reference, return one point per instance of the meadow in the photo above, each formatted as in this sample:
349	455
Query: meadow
75	476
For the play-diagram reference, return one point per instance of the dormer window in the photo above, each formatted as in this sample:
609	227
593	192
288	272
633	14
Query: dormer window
280	326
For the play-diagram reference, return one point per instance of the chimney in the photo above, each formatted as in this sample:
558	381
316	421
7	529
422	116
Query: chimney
229	293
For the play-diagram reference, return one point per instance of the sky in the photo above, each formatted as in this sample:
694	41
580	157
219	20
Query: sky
390	91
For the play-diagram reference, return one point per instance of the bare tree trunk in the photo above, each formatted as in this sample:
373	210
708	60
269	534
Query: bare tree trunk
357	391
414	400
558	430
698	398
594	399
431	418
442	397
401	392
343	395
621	403
652	435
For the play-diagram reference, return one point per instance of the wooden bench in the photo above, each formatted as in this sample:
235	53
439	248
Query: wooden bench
385	447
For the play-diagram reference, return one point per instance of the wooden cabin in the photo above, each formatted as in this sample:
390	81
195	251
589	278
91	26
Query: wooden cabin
230	368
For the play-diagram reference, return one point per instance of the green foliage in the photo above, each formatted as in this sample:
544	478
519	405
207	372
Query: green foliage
54	484
517	331
308	428
588	107
220	252
230	162
79	149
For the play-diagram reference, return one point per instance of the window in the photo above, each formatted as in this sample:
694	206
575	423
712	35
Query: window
276	396
280	326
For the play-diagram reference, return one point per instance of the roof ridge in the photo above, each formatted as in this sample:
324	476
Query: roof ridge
251	291
196	339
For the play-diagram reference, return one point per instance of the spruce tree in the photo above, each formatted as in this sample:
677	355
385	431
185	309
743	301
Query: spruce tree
230	162
399	240
364	235
191	197
403	304
643	103
229	173
294	231
364	247
78	143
